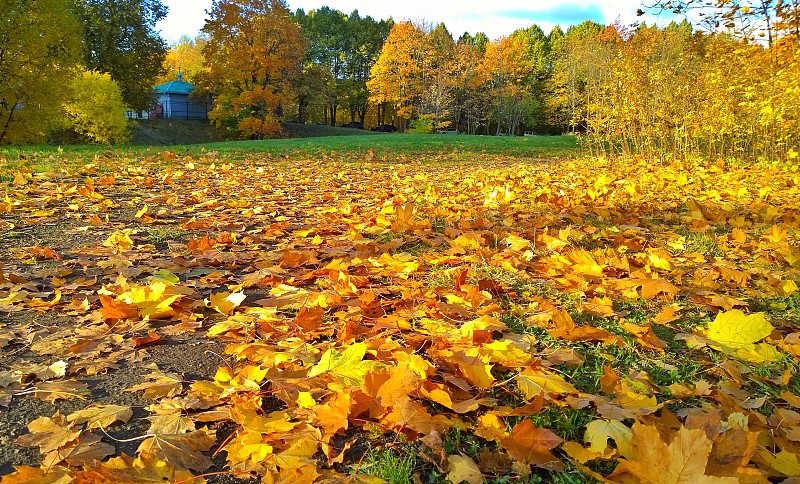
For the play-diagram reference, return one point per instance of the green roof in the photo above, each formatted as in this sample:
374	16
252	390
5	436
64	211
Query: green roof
175	87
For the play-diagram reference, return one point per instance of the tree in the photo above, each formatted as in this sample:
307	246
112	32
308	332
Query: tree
184	56
365	41
506	70
395	76
469	102
39	48
347	47
254	54
748	19
326	34
120	38
94	110
578	60
437	62
313	90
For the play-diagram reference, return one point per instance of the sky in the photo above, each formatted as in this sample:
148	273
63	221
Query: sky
494	18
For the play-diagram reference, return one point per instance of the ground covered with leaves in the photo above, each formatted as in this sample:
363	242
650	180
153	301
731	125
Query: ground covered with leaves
342	319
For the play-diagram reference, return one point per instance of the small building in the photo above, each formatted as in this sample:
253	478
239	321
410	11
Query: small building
174	101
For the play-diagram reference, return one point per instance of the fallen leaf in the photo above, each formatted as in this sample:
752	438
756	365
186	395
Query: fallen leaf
183	451
87	451
683	460
49	433
347	366
463	469
532	445
101	416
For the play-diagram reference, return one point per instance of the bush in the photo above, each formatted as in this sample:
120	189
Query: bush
94	111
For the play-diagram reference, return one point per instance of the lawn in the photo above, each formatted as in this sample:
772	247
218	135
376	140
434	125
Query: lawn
397	308
352	147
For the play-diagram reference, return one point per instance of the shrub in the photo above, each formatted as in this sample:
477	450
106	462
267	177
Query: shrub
94	111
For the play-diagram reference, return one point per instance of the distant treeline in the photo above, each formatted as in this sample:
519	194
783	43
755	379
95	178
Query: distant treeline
712	90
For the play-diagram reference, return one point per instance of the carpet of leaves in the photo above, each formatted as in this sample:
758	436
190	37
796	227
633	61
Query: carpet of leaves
626	321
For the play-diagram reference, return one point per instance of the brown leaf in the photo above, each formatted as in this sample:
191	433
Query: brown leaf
101	416
37	475
182	451
532	445
49	433
84	452
151	339
50	391
129	470
159	385
653	287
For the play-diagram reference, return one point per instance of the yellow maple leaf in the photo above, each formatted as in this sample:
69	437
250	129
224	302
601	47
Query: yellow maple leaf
347	366
463	469
737	333
225	302
517	243
599	431
534	381
119	241
684	459
783	462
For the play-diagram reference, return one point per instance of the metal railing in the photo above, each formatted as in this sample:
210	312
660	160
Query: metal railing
173	110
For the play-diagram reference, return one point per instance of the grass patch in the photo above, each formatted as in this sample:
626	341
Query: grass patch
382	147
395	464
700	242
163	234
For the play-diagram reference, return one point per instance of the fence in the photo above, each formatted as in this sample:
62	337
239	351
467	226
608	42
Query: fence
173	110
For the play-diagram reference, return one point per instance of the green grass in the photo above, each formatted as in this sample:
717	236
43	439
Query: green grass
391	148
161	234
395	465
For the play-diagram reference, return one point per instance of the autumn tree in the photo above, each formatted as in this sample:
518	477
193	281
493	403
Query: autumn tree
39	48
579	60
787	23
254	53
184	56
437	63
366	38
470	106
506	72
120	38
395	77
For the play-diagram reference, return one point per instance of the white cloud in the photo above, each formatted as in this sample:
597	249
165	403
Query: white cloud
495	19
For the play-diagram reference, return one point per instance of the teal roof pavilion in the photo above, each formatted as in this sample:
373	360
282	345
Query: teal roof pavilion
175	87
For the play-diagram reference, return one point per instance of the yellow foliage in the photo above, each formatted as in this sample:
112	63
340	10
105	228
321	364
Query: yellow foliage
95	110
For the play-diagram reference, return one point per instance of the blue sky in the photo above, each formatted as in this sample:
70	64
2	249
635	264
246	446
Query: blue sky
493	18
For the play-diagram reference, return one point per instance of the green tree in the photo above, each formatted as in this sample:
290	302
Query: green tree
120	38
326	34
347	47
94	110
365	41
39	48
253	56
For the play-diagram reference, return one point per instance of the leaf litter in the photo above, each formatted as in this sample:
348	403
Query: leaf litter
403	303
